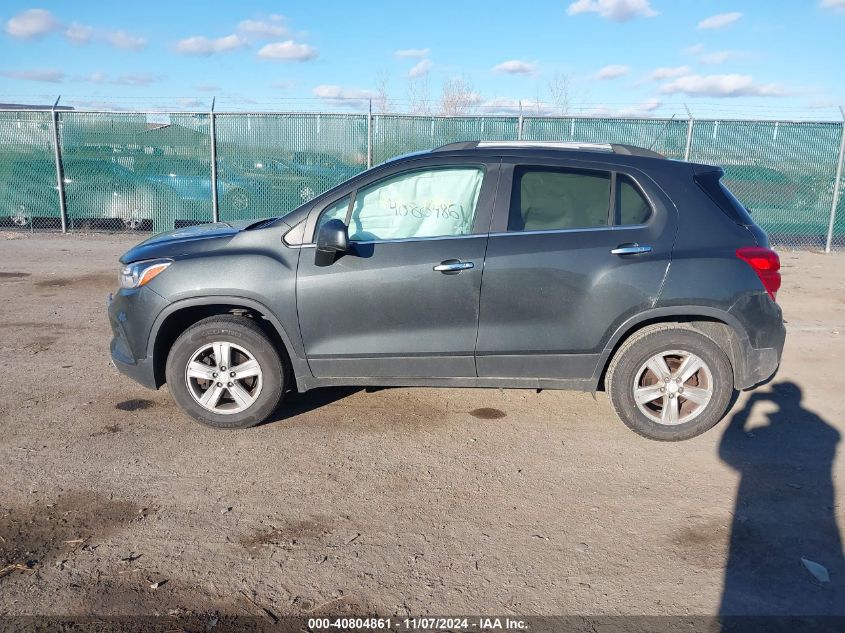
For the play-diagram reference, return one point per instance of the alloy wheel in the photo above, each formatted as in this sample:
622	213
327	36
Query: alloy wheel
673	387
223	378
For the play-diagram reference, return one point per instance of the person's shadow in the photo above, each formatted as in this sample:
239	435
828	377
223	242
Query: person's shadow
785	511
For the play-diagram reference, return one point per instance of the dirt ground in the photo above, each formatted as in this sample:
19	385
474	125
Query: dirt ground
402	501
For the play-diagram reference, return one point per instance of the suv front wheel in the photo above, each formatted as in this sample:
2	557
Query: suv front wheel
670	382
226	373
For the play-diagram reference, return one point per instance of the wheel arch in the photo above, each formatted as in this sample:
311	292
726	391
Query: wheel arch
180	315
720	326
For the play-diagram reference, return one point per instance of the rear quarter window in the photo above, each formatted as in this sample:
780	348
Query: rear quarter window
631	205
711	183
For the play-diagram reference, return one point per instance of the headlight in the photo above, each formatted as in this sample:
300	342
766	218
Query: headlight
137	274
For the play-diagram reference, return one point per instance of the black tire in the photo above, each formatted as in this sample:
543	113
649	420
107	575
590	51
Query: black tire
641	346
248	335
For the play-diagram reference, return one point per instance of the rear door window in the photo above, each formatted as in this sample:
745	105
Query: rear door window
631	205
545	199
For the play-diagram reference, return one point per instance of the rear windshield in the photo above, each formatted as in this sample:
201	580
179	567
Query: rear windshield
712	185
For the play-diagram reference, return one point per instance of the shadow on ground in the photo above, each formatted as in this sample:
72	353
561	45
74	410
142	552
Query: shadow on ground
784	511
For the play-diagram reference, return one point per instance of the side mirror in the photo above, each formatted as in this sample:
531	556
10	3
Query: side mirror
332	241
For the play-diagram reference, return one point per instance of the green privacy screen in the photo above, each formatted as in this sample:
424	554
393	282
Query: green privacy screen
29	197
665	136
136	171
267	165
153	172
394	135
783	172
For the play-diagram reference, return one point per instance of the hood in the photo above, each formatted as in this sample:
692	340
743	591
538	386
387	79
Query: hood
188	240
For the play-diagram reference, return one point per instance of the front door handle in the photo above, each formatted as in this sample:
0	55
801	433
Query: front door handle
453	266
630	249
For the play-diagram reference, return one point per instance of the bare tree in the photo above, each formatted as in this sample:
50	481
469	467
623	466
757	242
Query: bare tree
382	100
560	89
458	97
418	92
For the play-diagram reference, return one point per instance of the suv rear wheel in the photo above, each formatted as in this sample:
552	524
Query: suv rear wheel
670	382
225	372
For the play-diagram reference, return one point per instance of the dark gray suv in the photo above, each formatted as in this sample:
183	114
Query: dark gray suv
508	264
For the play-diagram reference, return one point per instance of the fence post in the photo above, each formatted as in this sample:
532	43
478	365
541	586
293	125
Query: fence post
215	210
690	123
520	123
60	181
370	135
837	185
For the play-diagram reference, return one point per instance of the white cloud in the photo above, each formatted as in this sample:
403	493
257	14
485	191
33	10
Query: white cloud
511	107
288	51
421	68
613	71
720	20
516	67
79	33
713	57
200	45
122	39
717	57
340	96
413	52
137	79
642	109
668	72
326	91
721	86
190	102
35	23
132	79
274	26
836	5
615	10
32	23
203	87
51	76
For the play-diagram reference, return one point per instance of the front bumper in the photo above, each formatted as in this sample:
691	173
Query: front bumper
131	316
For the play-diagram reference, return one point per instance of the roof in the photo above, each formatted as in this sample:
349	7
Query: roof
611	148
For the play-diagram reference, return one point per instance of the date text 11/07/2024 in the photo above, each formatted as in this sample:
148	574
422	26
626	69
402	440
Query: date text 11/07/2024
420	624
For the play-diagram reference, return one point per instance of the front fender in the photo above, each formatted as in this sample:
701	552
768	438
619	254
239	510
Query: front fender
292	343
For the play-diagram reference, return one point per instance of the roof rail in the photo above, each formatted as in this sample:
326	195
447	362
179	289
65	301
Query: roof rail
615	148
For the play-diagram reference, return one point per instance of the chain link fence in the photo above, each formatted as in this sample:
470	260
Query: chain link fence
82	171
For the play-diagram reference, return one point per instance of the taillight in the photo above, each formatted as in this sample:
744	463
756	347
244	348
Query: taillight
765	263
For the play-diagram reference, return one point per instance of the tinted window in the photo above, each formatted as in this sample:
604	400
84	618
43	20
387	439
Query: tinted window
547	199
712	185
336	211
423	203
631	206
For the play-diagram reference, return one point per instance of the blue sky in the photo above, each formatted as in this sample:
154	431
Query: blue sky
637	57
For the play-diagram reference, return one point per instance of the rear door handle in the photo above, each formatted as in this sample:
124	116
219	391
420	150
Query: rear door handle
453	266
630	249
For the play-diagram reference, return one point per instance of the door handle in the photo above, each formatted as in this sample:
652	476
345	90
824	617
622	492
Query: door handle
453	266
630	249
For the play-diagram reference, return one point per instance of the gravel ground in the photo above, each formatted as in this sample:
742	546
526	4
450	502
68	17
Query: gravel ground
402	501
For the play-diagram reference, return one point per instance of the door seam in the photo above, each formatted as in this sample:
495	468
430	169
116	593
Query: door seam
484	267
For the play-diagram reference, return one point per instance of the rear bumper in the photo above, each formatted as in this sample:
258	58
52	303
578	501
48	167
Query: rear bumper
761	366
763	348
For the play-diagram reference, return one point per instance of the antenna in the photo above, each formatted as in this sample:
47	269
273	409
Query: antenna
662	130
